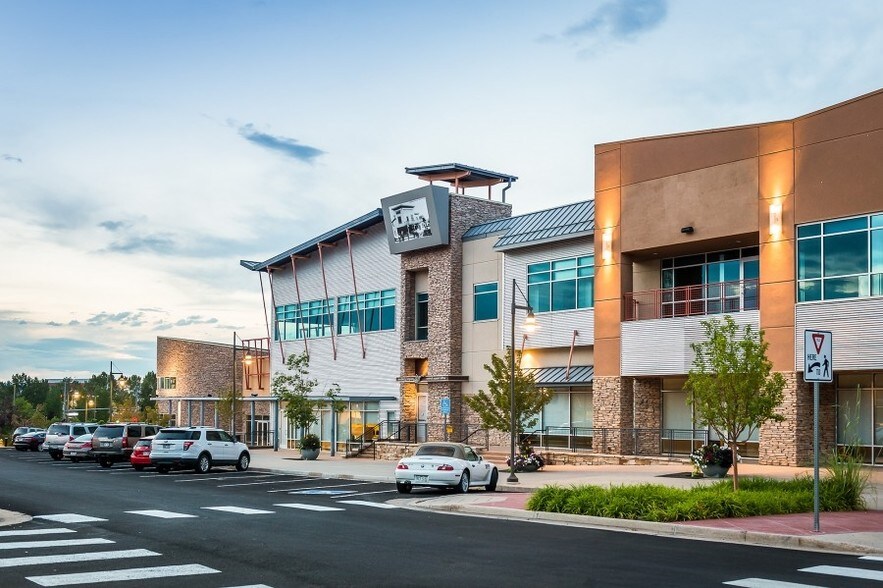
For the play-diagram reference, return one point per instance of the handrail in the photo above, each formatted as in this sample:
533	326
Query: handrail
695	300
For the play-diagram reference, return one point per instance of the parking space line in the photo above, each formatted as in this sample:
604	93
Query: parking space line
121	575
368	503
56	543
237	474
393	491
24	532
238	510
312	507
162	514
320	487
69	517
266	482
34	560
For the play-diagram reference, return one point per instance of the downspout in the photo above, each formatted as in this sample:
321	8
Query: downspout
508	185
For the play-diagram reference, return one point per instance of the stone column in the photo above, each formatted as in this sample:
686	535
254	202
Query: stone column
612	401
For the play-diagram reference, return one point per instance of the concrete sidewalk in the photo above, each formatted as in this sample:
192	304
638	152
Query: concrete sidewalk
852	532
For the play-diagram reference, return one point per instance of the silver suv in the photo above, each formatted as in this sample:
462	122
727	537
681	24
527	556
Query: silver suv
114	442
199	448
60	433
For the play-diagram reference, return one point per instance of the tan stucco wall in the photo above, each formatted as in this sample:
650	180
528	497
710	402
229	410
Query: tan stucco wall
481	264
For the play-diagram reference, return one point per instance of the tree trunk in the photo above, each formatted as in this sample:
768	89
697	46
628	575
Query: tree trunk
735	449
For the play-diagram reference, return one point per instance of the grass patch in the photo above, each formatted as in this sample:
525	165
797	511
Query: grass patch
657	503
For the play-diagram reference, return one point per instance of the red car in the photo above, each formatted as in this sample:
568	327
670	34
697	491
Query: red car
141	453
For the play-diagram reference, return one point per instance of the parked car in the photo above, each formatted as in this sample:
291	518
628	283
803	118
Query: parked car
60	433
445	465
114	442
23	431
31	441
199	448
140	457
79	448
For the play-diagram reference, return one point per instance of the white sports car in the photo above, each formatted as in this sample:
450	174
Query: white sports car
449	465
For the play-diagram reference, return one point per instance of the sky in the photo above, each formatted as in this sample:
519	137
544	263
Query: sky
147	147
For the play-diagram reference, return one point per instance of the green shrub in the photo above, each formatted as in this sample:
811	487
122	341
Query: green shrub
847	479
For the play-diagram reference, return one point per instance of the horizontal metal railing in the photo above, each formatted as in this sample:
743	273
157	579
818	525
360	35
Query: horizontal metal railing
628	441
697	300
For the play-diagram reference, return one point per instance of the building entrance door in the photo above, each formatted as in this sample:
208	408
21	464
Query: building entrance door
422	411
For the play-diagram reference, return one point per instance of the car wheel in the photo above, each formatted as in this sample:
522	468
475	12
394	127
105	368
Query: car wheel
105	463
493	483
75	459
203	464
243	462
55	455
463	486
162	469
403	487
138	468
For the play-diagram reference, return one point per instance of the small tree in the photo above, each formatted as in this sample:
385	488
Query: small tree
292	389
494	406
732	389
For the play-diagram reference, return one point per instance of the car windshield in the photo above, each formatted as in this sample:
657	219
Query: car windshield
437	450
20	430
83	438
177	435
109	432
143	443
58	429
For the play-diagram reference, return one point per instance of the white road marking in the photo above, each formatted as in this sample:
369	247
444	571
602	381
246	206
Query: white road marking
761	583
266	482
251	586
238	510
34	560
368	503
377	492
162	514
872	557
69	517
121	575
35	532
293	490
846	572
56	543
313	507
202	479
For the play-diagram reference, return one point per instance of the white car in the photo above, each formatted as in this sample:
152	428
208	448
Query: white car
198	448
446	465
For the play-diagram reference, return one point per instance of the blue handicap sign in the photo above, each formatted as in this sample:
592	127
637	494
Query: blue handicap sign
446	405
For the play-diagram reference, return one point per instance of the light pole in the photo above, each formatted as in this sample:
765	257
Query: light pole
246	361
112	374
529	321
89	402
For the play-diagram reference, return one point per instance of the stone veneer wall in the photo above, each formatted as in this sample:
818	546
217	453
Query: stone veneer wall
444	347
648	414
789	443
612	399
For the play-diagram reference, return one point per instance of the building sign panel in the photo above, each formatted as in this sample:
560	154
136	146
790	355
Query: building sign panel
417	219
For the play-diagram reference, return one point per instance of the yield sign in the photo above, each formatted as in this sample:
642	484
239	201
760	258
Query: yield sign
818	363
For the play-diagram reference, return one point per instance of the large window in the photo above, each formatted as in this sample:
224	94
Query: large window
422	317
564	284
374	311
710	283
306	320
484	300
840	259
167	383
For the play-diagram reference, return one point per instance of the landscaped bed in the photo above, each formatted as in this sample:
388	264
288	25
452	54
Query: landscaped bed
654	502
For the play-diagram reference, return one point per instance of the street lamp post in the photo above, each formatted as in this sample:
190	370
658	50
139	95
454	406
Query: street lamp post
530	320
112	374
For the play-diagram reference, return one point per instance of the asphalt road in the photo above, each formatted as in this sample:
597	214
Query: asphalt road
231	528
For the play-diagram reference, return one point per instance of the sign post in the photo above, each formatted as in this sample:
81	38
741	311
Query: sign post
446	410
818	366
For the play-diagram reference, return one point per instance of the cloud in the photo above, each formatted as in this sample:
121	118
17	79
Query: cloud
54	324
126	318
162	244
185	322
286	146
616	21
11	158
114	226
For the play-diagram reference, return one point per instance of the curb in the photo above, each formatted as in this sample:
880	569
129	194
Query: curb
8	517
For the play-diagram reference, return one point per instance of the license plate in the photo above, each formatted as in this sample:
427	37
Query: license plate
106	443
421	478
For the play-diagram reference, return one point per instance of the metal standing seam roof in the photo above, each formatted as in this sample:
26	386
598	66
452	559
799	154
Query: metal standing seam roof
475	173
555	376
363	222
544	225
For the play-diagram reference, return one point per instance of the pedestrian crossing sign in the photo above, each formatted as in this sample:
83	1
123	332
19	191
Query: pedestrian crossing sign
818	358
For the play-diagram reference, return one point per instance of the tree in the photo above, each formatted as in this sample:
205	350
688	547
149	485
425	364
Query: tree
494	407
147	390
293	387
731	387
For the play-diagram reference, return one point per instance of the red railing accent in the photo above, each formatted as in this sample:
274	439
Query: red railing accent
698	300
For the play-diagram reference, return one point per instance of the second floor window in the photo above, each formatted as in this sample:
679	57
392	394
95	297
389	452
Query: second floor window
484	300
306	320
564	284
374	311
167	383
421	321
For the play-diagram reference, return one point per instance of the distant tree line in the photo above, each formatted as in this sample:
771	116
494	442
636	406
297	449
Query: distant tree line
37	402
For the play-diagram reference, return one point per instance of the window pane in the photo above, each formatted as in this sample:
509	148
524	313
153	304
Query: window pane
564	295
485	306
809	291
809	259
849	224
538	278
556	413
809	231
564	264
388	318
581	410
854	416
844	287
585	293
877	220
877	251
538	267
750	269
846	254
675	411
538	296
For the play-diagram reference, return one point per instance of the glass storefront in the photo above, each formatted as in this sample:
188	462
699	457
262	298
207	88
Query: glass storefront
860	414
354	421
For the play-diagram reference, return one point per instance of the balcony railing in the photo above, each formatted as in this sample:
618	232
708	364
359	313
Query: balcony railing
698	300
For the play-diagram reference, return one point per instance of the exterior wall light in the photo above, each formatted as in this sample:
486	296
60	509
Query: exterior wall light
775	219
607	245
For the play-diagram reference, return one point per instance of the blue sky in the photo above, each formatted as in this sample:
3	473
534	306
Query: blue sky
147	147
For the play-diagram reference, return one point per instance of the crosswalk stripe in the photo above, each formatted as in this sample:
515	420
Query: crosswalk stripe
56	543
368	503
313	507
251	586
24	532
762	583
238	510
162	514
121	575
872	557
69	517
846	572
34	560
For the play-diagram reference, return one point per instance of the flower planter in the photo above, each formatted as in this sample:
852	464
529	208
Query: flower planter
714	471
309	454
528	467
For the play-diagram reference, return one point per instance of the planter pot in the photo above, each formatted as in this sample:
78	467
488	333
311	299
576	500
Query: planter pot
528	467
309	454
714	471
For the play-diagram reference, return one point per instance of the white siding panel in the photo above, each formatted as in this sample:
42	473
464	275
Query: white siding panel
661	347
856	326
376	269
554	329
